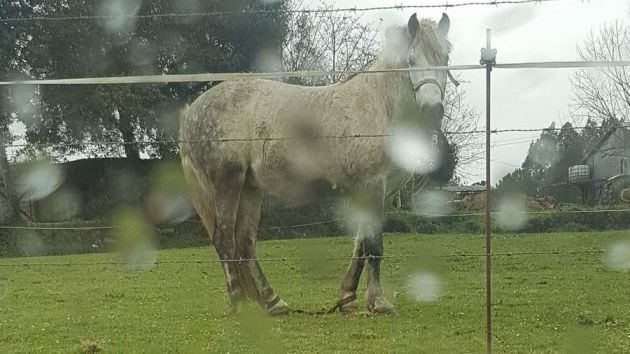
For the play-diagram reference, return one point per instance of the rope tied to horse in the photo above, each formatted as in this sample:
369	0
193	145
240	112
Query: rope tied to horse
338	305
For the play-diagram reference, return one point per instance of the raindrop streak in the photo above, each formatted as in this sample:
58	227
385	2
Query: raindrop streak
424	286
618	256
413	151
39	181
512	212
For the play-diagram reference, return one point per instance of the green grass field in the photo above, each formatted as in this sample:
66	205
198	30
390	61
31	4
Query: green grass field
542	302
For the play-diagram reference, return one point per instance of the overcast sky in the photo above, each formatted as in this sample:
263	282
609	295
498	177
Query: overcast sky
521	33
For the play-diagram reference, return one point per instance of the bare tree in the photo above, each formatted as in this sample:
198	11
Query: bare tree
327	41
603	94
460	119
341	42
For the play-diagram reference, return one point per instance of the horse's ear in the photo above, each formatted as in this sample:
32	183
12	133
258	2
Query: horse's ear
444	25
413	26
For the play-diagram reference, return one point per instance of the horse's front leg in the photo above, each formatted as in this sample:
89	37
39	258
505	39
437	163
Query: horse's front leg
350	283
375	301
368	247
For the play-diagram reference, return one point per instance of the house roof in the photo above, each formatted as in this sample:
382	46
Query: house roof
601	142
467	189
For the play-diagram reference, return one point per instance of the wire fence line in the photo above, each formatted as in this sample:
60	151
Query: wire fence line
400	7
60	228
47	227
212	77
298	259
284	138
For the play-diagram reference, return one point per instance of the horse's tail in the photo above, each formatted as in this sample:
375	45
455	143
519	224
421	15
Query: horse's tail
201	189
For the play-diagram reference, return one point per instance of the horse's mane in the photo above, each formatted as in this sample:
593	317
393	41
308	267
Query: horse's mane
435	48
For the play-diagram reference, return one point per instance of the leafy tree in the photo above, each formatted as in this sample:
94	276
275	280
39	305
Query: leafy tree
126	45
11	41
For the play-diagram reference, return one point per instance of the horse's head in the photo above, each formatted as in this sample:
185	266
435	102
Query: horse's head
428	46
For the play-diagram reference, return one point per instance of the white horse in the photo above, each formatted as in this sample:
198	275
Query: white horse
243	139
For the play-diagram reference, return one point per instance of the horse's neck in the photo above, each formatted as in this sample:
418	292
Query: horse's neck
391	87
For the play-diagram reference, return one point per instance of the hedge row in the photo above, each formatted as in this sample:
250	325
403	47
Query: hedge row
192	234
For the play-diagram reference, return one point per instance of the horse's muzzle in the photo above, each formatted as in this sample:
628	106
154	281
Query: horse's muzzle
432	114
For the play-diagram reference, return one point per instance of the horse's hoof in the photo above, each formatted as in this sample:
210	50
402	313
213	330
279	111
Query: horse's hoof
380	306
348	308
280	308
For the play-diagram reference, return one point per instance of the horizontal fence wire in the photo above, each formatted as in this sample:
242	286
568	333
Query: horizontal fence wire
331	221
54	228
296	259
285	138
445	5
212	77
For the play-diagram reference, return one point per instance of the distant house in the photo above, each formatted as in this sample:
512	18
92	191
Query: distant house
604	173
610	155
467	197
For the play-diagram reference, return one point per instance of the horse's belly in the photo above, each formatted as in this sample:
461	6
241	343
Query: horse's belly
291	170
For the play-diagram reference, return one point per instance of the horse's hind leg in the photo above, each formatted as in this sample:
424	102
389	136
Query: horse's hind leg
228	189
217	208
254	280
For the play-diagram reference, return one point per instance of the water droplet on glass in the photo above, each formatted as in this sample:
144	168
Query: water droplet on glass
24	101
134	239
413	150
171	209
359	219
617	256
433	203
512	212
143	55
30	244
546	151
268	60
119	17
64	204
168	202
424	286
39	180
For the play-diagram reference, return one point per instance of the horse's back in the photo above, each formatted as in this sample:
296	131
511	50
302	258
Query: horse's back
272	128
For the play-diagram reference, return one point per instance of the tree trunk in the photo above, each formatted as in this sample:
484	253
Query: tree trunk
132	150
6	178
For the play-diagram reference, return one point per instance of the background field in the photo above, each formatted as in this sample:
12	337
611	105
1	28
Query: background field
553	302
